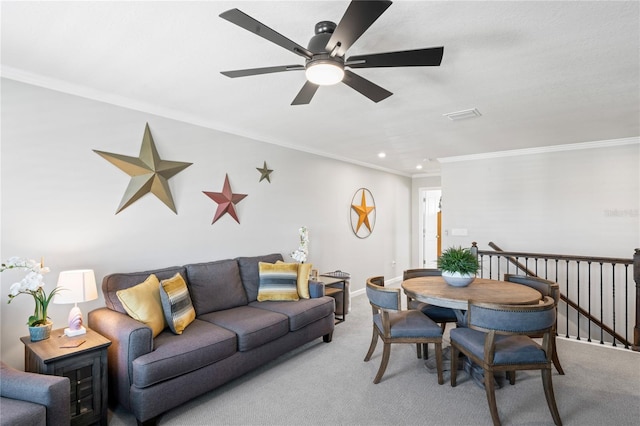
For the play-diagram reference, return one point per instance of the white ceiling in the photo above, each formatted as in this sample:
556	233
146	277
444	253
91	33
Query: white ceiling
540	73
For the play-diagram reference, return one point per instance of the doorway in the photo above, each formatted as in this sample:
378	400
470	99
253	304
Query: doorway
430	227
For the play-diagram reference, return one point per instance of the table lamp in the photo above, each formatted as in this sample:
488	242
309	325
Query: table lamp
76	286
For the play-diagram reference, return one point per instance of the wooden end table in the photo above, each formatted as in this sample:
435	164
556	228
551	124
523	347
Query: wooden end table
83	359
333	287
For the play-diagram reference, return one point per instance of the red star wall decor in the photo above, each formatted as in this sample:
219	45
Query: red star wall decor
226	200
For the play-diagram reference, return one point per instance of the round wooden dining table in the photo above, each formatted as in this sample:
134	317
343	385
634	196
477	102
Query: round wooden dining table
435	291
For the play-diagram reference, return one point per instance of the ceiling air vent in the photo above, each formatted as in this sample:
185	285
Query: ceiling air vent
462	115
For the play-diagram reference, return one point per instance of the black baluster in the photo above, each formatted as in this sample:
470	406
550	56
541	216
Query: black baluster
578	299
613	291
601	303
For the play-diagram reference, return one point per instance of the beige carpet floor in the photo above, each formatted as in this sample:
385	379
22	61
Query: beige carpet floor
329	384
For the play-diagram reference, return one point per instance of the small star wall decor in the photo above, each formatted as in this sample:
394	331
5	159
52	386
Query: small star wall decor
226	200
364	213
148	173
264	172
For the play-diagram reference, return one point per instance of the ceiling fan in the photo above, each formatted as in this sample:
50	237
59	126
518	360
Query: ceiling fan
325	62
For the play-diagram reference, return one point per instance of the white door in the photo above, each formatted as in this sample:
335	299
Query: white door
429	208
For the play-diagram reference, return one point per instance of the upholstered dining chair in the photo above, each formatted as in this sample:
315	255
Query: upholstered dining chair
437	313
379	280
497	337
547	288
393	325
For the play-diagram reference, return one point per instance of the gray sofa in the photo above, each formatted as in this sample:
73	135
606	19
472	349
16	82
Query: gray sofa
33	399
232	334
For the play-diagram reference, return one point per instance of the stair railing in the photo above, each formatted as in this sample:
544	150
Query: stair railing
594	290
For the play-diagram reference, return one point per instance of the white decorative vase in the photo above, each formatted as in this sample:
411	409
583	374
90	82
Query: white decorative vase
457	279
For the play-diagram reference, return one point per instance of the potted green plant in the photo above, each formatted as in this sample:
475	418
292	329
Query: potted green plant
33	285
458	266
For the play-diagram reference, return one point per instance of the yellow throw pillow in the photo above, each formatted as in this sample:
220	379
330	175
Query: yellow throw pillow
176	303
304	269
142	303
278	281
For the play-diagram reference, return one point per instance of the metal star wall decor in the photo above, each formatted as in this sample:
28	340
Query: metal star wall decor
226	200
148	173
264	172
363	213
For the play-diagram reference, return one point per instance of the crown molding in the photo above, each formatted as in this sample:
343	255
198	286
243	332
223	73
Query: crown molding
426	175
542	150
133	104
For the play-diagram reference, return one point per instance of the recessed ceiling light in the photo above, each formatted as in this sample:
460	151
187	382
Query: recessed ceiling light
419	167
382	155
461	115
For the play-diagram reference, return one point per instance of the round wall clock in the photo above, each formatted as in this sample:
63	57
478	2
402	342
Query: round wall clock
363	213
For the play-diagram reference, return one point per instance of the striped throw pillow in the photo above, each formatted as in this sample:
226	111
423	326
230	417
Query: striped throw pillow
278	281
176	303
304	269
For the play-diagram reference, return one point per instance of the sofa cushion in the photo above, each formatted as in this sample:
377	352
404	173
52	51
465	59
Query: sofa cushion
302	312
253	327
249	272
22	413
278	281
215	286
201	344
114	282
142	303
176	303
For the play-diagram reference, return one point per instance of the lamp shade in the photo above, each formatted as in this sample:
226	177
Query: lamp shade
77	286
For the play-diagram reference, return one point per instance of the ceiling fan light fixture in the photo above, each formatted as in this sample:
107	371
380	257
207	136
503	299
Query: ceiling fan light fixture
324	72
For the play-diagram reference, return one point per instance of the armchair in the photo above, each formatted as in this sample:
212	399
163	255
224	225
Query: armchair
437	313
546	288
393	325
33	399
498	339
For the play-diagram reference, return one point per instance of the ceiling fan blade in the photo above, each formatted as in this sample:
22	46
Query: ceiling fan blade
305	94
360	15
431	56
364	86
245	21
257	71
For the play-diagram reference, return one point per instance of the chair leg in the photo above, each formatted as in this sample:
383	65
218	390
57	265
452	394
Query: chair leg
419	350
372	346
554	357
439	362
511	375
454	365
548	393
491	397
386	352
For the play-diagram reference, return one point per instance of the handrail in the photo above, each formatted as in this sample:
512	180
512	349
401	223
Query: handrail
565	299
616	260
512	258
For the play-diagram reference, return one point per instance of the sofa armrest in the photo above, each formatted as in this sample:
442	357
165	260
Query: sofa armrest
51	391
316	289
129	340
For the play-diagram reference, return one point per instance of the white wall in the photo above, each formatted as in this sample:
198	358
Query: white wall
59	200
580	202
